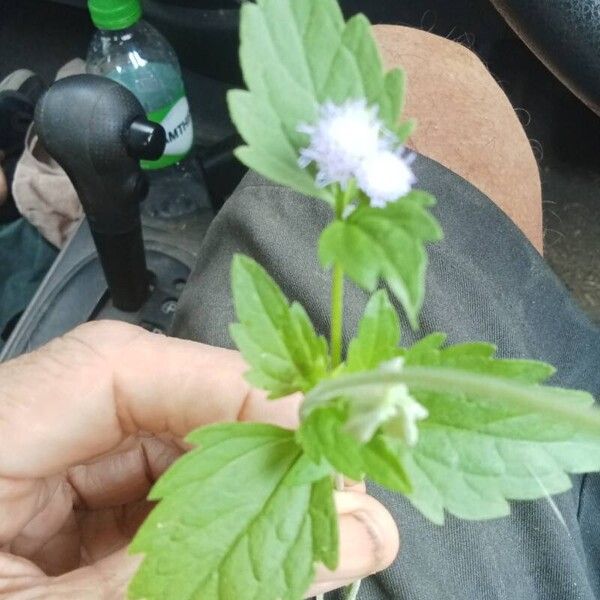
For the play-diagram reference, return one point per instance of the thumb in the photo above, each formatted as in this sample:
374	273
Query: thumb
369	542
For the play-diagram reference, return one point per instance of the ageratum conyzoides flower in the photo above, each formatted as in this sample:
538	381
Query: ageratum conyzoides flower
349	142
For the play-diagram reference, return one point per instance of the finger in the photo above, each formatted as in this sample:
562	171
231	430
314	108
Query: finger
83	394
17	574
107	578
119	478
369	542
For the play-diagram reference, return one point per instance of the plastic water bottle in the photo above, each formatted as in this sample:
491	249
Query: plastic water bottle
132	52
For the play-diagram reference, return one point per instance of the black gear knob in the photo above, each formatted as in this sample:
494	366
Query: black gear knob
145	140
97	132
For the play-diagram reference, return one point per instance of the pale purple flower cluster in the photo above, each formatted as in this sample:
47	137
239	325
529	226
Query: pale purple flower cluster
349	142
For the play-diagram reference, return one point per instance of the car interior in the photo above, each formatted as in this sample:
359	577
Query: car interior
543	54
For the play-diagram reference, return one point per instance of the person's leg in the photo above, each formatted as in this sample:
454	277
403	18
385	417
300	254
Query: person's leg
466	122
485	282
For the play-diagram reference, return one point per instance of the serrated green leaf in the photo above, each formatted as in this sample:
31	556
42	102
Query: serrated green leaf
272	166
476	357
386	243
433	341
474	474
295	56
276	339
493	434
378	335
318	24
479	454
383	463
323	437
229	526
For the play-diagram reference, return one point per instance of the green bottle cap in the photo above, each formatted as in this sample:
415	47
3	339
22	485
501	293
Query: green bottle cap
115	14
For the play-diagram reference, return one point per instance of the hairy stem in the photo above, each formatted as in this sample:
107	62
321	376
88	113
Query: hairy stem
337	331
568	406
352	590
337	284
337	315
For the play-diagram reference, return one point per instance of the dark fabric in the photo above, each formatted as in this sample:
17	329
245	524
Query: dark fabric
8	210
548	27
24	259
485	282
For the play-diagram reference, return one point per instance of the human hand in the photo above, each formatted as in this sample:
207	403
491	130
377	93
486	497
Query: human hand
90	421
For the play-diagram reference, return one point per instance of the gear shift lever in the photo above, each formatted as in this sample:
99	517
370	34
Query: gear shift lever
97	131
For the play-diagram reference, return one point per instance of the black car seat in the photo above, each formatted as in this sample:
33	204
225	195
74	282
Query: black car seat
565	36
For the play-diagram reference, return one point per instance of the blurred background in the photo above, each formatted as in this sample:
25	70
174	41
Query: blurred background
42	35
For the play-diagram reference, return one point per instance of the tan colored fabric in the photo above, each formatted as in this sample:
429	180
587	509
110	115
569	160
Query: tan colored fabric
42	191
44	194
466	122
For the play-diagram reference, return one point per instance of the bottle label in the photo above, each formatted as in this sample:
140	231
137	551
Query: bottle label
177	123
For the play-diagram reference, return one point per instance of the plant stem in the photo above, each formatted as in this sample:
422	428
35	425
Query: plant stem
337	332
352	591
569	406
337	288
337	315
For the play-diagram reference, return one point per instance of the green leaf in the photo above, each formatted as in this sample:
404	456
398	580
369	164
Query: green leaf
229	526
306	471
364	54
383	464
272	151
425	350
323	437
277	339
472	471
493	433
476	357
392	105
385	243
378	335
323	517
405	130
392	102
295	56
